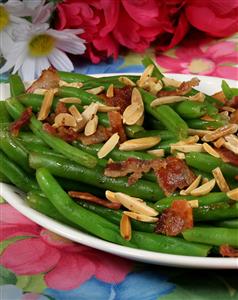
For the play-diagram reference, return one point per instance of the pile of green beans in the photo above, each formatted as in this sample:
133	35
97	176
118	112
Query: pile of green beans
46	167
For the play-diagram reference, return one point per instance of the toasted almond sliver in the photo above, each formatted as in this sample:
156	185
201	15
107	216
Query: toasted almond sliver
90	111
110	91
91	126
46	105
192	186
106	108
154	87
180	155
194	203
64	119
190	140
108	146
75	113
140	144
231	143
220	180
204	180
146	74
96	90
126	81
220	142
136	205
40	91
207	118
186	148
198	132
167	100
132	114
210	150
111	196
228	108
70	100
70	84
199	97
231	147
136	97
140	217
171	82
140	121
204	189
156	152
125	227
233	194
222	131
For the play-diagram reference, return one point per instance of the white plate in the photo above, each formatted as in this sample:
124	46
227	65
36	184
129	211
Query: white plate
16	199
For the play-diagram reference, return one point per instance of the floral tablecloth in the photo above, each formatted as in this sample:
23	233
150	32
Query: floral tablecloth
39	265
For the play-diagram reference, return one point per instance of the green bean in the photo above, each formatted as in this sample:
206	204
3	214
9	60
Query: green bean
67	169
136	131
233	223
4	115
190	109
206	162
165	145
114	216
75	213
16	85
211	198
4	178
18	177
152	123
74	77
226	90
212	235
206	125
30	138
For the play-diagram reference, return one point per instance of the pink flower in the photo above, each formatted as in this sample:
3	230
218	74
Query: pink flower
215	17
66	264
212	60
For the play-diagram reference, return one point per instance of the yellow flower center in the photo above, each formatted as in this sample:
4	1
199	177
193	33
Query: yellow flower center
199	65
4	18
41	45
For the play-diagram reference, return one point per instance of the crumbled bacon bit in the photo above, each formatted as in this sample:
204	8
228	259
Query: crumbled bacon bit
101	135
175	174
116	125
233	102
16	126
60	108
49	79
49	129
226	250
91	198
135	167
234	117
175	219
65	133
228	156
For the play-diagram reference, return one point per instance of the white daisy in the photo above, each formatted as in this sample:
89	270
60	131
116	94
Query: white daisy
36	47
38	10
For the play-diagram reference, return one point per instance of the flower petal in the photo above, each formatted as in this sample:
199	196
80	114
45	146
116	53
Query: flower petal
42	63
27	69
9	231
10	291
60	61
227	72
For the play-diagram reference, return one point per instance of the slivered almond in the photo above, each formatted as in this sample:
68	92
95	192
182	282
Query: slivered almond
167	100
140	217
204	189
190	140
111	196
40	91
145	75
140	121
108	146
220	180
198	132
126	81
70	100
171	82
218	143
136	205
180	155
96	90
106	108
231	143
156	152
154	87
70	84
136	97
132	114
199	97
210	150
207	118
75	113
233	194
192	186
140	144
90	111
186	148
91	126
46	105
64	119
125	227
205	180
110	91
194	203
222	131
228	108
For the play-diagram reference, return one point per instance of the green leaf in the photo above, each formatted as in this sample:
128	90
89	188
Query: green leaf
33	283
6	276
226	90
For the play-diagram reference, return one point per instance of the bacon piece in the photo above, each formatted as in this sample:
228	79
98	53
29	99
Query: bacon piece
175	174
16	126
65	133
132	165
49	79
116	125
234	117
233	102
121	98
226	250
60	108
175	219
184	88
101	135
91	198
228	156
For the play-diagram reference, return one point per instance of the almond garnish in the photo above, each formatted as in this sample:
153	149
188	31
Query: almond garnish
90	111
207	118
154	87
233	194
218	143
186	148
210	150
111	196
231	143
132	114
108	146
204	189
140	121
145	75
46	105
167	100
96	90
198	132
192	186
126	81
125	227
106	108
199	97
91	126
136	97
140	144
64	119
136	205
40	91
190	140
171	82
156	152
110	91
180	155
194	203
70	84
222	131
75	113
70	100
140	217
220	180
228	108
